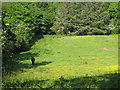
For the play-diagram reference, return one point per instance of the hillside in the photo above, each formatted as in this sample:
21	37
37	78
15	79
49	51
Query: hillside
65	56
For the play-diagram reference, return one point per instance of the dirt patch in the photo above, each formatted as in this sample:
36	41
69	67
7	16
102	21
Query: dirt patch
105	49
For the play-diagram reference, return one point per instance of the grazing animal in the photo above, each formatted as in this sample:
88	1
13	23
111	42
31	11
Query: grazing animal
33	60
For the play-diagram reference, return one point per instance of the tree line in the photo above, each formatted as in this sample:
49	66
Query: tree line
90	18
21	22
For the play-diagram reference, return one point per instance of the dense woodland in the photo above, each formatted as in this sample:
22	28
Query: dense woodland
22	22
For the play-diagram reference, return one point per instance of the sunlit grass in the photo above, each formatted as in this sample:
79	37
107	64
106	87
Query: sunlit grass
70	56
110	68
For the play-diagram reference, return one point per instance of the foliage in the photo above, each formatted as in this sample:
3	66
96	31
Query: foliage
23	21
114	12
82	18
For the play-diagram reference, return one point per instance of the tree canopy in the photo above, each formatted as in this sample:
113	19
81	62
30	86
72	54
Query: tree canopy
22	21
82	19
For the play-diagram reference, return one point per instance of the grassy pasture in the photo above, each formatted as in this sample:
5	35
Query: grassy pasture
64	61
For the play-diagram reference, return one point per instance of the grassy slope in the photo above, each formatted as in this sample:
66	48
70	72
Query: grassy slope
67	56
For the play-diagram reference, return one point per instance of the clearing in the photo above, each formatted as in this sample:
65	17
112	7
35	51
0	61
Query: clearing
67	56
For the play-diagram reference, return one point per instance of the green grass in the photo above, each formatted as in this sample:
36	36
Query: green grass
67	56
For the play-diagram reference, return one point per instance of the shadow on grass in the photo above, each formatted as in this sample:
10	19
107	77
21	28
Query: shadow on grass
102	81
14	64
19	67
43	63
15	58
37	64
108	81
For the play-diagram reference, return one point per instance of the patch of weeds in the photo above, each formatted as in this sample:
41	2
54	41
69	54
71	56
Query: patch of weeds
24	84
86	62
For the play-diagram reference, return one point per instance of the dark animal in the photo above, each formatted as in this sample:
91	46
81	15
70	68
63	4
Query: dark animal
33	60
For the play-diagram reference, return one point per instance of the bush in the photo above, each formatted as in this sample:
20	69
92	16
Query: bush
89	33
